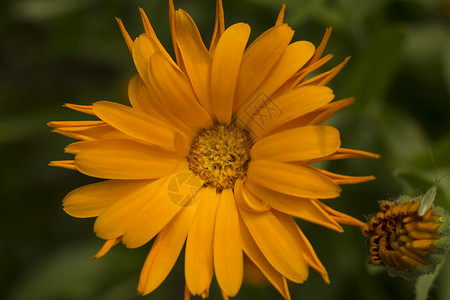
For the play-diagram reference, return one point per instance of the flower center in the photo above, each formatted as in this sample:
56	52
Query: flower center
220	155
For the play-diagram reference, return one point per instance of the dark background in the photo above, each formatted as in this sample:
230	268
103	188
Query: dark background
58	51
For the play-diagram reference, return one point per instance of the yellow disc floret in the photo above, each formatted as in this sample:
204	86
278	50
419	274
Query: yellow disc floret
220	155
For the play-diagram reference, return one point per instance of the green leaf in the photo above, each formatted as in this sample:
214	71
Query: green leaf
446	63
399	129
444	288
45	9
425	282
299	12
416	182
33	123
70	273
375	68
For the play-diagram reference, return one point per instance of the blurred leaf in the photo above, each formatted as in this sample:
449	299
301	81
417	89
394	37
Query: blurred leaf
417	182
300	12
444	279
428	4
45	9
440	150
425	282
19	128
71	273
419	175
444	186
446	63
271	3
376	66
30	124
402	137
425	46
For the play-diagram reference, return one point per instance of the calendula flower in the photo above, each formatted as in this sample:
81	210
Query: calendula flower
404	240
215	153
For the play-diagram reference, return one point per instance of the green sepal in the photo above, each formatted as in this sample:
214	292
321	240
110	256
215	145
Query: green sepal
443	242
425	282
375	269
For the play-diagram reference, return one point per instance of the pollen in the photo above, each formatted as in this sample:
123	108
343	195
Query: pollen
220	155
399	238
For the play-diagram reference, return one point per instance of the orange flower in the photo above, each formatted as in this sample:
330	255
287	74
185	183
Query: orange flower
214	153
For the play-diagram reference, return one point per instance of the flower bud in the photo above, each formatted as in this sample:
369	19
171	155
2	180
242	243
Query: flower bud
406	242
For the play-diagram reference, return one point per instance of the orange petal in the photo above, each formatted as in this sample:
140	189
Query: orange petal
124	159
92	199
199	246
139	125
176	93
276	244
145	99
143	48
151	217
316	117
326	77
125	35
225	69
280	18
344	153
74	124
302	208
86	109
246	200
151	33
291	179
325	112
258	60
146	23
265	113
66	164
308	252
107	246
111	223
308	69
343	179
165	250
296	144
141	97
187	293
257	257
293	58
87	130
321	48
228	259
196	57
340	217
219	26
174	36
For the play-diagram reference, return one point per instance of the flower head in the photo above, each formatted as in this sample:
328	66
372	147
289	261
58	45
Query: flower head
215	153
404	240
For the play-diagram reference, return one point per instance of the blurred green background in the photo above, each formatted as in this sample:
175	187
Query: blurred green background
57	51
